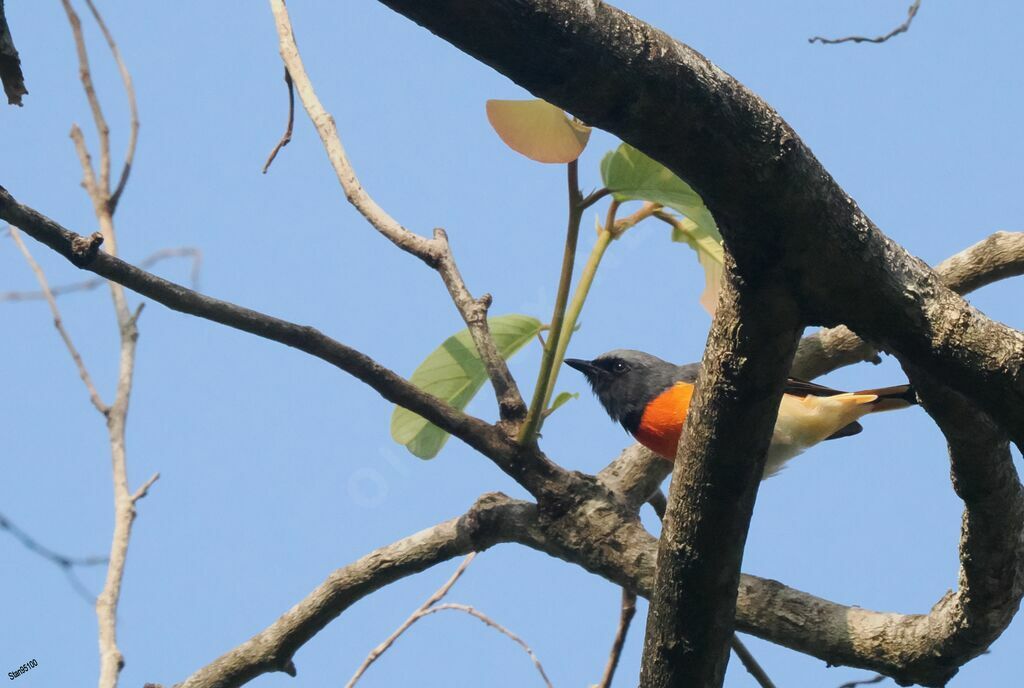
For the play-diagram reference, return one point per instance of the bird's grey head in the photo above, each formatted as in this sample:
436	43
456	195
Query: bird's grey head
625	381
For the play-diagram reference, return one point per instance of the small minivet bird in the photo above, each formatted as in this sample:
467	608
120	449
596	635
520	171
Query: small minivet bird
650	398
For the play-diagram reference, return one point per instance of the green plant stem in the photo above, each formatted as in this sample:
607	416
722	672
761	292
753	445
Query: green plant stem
579	297
534	416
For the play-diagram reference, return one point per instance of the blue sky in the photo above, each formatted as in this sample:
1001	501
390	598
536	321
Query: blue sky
277	469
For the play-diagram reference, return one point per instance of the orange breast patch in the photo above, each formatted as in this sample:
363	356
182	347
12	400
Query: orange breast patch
663	419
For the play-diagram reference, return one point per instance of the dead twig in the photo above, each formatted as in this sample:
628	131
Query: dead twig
83	372
750	664
877	678
496	626
431	606
626	613
88	285
286	137
435	252
389	641
902	28
129	90
63	562
104	203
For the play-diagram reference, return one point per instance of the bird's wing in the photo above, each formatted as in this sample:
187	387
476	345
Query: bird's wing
803	388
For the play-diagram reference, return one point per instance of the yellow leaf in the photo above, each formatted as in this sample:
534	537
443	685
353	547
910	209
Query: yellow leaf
538	130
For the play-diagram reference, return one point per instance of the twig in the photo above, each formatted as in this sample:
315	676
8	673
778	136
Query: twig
104	204
286	137
877	678
902	28
10	64
102	128
45	552
88	285
626	613
144	488
435	252
750	663
83	372
63	562
529	468
133	108
390	640
496	626
492	519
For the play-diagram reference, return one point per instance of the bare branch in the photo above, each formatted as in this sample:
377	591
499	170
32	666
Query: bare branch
527	466
431	606
877	678
133	109
496	626
902	28
64	563
627	609
750	663
492	519
10	64
102	129
434	598
286	137
83	372
144	488
434	252
31	544
194	254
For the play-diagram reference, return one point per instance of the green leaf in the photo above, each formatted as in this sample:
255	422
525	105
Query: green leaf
710	254
561	399
631	175
455	373
538	130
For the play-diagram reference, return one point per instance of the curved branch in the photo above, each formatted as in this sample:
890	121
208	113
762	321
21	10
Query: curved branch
491	520
434	252
996	257
527	466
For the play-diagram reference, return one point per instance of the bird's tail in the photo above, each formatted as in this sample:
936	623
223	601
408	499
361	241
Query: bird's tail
891	398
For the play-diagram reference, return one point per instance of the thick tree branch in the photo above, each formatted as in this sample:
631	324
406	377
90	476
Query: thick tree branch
10	64
717	470
996	257
620	74
493	519
434	252
526	465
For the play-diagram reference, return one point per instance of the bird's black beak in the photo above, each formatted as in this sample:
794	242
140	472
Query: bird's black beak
585	367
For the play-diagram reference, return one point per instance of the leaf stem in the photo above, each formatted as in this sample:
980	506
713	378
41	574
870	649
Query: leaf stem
579	297
534	417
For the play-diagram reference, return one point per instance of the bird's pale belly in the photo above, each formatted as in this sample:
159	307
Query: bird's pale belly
802	422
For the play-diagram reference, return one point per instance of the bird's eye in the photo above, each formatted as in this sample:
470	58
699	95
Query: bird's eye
619	367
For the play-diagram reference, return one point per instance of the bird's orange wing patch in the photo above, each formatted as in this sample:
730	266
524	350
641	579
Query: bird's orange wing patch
662	422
